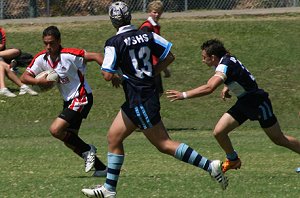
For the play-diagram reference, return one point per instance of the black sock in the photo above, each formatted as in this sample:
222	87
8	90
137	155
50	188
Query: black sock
99	164
79	145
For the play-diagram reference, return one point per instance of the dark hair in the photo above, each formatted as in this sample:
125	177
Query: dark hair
52	31
214	47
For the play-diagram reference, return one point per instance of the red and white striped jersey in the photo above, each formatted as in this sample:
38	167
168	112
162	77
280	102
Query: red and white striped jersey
70	67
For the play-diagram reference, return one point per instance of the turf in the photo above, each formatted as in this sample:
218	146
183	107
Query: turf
34	164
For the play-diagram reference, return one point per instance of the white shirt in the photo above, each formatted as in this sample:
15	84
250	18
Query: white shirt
69	66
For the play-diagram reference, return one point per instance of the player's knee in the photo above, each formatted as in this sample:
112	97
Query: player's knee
55	132
216	133
280	141
165	148
113	140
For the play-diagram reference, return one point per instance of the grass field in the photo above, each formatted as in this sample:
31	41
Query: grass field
33	164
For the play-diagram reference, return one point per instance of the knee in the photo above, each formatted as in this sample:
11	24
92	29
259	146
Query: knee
5	66
15	52
279	141
162	149
55	132
217	133
166	148
113	140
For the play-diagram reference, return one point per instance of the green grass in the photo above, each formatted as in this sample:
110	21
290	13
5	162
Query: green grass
33	164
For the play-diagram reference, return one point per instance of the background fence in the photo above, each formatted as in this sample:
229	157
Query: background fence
13	9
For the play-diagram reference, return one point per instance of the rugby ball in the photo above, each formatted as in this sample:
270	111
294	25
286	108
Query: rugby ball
51	75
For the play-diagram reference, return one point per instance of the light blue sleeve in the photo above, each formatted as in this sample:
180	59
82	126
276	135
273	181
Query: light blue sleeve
164	43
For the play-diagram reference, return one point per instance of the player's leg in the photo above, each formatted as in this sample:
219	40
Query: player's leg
3	89
121	128
270	125
59	129
224	126
276	135
100	167
65	128
159	137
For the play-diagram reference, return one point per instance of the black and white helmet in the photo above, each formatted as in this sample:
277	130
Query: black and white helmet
119	14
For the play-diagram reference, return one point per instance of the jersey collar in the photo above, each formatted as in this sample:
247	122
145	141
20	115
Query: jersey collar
150	19
126	28
50	62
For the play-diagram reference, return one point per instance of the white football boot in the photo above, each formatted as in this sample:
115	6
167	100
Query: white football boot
99	192
89	158
217	174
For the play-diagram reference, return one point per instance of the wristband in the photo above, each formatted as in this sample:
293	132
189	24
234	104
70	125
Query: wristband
184	95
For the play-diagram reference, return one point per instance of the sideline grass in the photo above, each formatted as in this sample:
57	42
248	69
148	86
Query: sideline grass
33	164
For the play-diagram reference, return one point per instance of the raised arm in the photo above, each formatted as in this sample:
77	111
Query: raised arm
162	65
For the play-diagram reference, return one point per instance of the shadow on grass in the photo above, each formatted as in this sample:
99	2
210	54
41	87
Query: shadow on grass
82	177
182	129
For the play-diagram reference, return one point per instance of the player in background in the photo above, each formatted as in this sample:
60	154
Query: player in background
252	103
7	65
155	10
129	52
70	65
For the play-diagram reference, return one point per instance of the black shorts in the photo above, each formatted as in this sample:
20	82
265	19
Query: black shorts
74	118
145	115
257	106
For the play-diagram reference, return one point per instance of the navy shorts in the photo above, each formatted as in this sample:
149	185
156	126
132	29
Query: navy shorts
145	115
74	118
256	106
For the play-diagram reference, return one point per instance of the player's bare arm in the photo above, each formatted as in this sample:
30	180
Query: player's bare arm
114	78
225	93
94	56
214	82
162	65
28	78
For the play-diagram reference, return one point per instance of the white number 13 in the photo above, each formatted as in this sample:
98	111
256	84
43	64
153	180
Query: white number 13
144	55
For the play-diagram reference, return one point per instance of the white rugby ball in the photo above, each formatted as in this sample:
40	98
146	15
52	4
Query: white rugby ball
51	76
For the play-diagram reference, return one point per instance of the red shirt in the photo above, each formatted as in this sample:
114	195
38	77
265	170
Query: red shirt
151	26
2	38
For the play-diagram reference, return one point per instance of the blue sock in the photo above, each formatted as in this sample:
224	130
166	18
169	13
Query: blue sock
114	164
232	156
189	155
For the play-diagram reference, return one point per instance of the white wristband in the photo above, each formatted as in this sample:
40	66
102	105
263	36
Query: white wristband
184	95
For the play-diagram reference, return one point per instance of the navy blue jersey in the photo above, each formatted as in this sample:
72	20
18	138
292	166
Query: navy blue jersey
130	52
238	79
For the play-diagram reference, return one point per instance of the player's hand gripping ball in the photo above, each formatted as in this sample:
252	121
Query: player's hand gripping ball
51	75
